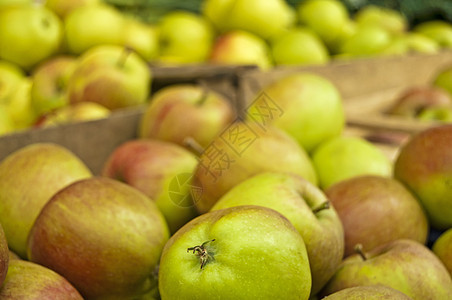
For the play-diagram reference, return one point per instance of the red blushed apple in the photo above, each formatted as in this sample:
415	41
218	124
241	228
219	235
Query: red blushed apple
180	111
153	166
375	210
102	235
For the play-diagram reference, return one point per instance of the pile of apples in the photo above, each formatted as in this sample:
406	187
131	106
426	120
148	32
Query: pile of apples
277	204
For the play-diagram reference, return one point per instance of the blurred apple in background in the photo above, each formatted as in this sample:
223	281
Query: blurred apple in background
443	79
250	15
162	171
419	43
112	76
6	123
143	38
93	25
179	111
63	7
375	210
390	19
29	34
50	80
306	207
184	37
305	105
368	40
248	252
438	30
108	236
405	265
243	150
299	46
72	113
424	165
238	47
360	292
19	106
442	247
344	157
10	77
328	18
28	178
27	280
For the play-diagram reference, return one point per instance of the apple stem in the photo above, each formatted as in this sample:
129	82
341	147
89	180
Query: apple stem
202	253
359	249
324	205
125	54
193	145
205	92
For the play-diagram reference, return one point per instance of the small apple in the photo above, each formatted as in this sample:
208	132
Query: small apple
250	15
63	7
112	76
368	40
50	80
162	171
405	265
361	292
72	113
325	17
438	30
375	210
27	280
244	252
307	106
442	247
92	25
299	46
102	235
419	43
344	157
29	34
424	165
306	207
179	111
28	178
184	37
242	150
390	19
10	77
19	106
142	37
238	47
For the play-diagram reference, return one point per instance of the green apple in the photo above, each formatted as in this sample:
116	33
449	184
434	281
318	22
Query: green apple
50	80
184	37
6	123
238	47
307	106
29	34
112	76
93	25
368	40
390	19
327	18
245	252
102	235
250	15
242	150
180	111
306	207
299	46
369	292
19	106
4	255
419	43
10	77
424	165
142	37
27	280
73	113
344	157
28	178
438	30
443	79
442	247
162	171
63	7
405	265
441	114
375	210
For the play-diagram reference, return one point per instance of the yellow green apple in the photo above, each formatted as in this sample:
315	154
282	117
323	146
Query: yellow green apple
367	40
10	77
442	247
63	7
244	252
19	105
390	19
438	30
142	38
